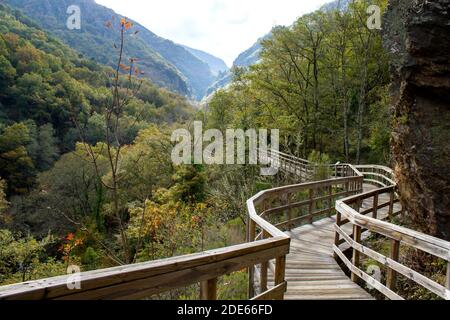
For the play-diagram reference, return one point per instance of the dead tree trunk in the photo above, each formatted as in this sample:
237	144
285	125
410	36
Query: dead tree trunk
417	35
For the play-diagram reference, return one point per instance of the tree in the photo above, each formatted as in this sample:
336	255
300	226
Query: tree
3	202
21	259
148	164
49	150
7	73
189	184
124	88
316	81
43	147
16	165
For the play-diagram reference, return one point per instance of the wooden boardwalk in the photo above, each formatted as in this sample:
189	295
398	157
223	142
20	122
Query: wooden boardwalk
312	273
294	265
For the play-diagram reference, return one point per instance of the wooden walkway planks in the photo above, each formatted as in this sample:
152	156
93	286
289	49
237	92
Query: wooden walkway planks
312	273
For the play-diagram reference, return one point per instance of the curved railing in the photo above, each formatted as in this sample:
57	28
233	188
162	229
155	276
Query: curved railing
270	213
286	208
379	176
355	212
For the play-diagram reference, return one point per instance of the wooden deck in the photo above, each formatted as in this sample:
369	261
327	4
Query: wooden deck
312	273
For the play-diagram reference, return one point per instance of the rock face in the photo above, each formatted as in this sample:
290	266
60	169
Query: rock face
417	35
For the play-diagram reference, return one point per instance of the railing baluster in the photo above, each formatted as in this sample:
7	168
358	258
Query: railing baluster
356	255
375	206
208	290
284	202
251	235
391	204
391	278
447	282
264	269
311	205
337	237
280	272
330	200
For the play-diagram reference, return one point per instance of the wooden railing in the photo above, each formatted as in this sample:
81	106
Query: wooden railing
350	211
288	207
306	171
146	279
377	175
270	213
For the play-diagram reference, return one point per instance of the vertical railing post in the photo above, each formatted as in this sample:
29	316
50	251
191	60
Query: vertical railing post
391	278
375	206
391	204
280	271
447	282
264	269
251	234
356	255
280	268
337	238
287	212
311	205
330	200
208	289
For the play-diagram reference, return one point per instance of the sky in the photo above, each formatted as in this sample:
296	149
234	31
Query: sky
224	28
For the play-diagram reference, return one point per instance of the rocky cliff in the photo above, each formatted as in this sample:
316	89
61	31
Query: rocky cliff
417	35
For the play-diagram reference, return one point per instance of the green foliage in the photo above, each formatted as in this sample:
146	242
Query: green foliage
16	165
321	163
189	183
90	258
44	86
43	148
7	72
319	82
4	204
233	286
23	259
166	63
118	198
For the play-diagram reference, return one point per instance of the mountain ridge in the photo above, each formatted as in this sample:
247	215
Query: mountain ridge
166	63
216	64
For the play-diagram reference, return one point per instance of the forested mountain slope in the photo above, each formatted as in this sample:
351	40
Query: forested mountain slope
43	85
60	152
166	63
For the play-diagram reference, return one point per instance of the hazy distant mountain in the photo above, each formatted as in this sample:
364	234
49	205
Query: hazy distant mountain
165	62
337	4
245	59
216	65
251	55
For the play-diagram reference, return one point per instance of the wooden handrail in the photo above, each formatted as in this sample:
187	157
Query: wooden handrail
349	212
146	279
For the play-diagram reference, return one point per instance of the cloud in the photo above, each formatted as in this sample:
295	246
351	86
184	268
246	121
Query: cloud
224	28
